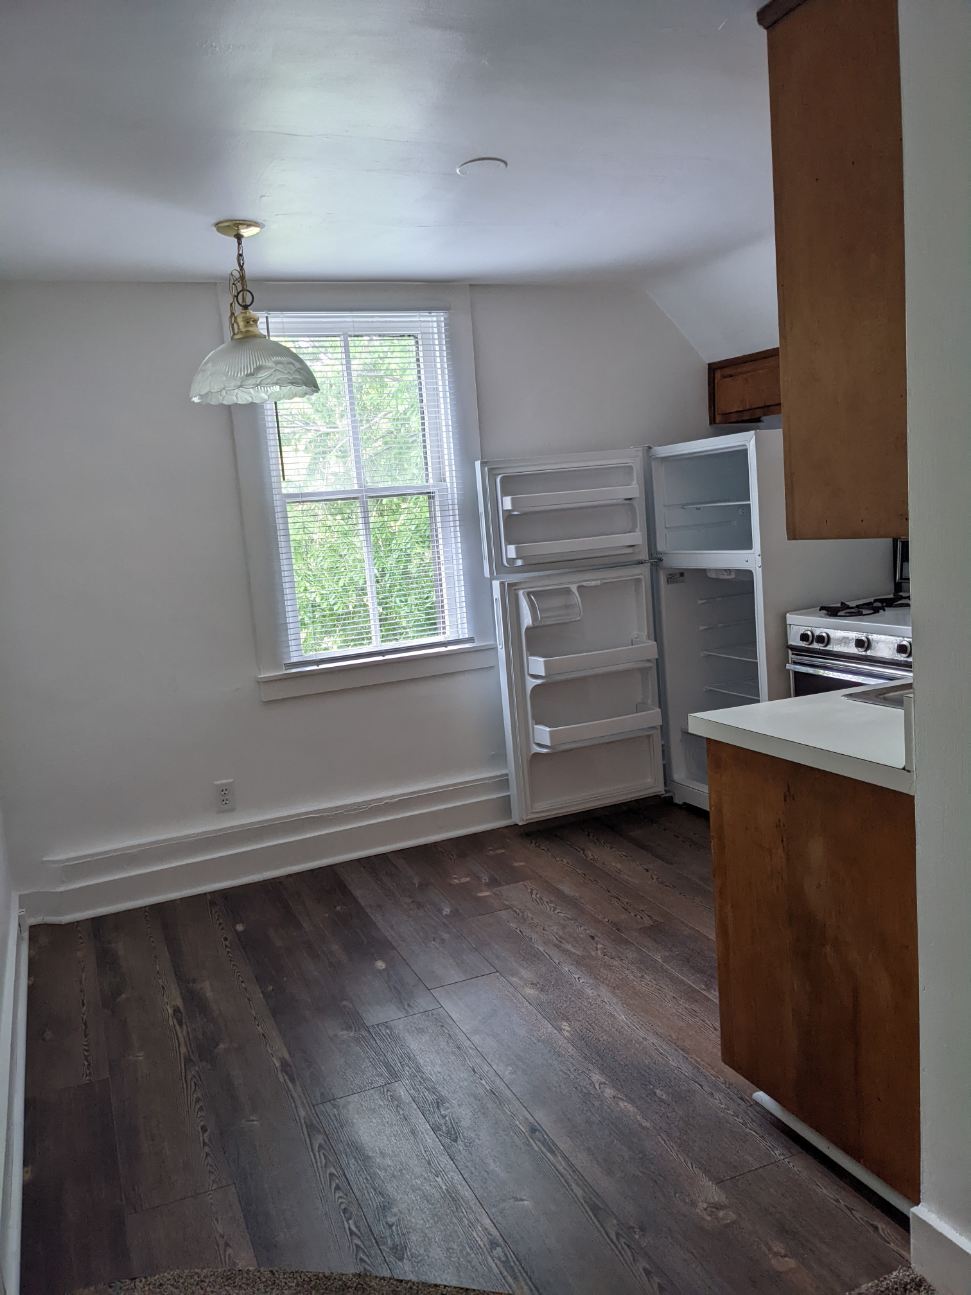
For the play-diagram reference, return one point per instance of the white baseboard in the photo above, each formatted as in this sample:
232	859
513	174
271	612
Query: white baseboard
13	1049
940	1252
148	872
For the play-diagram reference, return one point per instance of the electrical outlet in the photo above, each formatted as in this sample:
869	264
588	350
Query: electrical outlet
225	795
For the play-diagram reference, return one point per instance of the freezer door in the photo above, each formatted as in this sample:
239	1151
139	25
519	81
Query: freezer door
704	499
580	690
562	511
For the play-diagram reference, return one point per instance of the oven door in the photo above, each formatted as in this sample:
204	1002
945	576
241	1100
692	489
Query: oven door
811	672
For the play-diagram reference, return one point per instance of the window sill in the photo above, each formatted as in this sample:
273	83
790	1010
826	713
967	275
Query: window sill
338	675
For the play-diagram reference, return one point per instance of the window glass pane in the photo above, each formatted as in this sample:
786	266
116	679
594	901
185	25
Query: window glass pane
329	576
405	568
315	442
387	404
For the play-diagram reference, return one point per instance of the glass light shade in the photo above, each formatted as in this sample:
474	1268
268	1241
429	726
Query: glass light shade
249	370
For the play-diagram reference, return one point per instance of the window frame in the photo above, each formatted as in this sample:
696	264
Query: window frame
277	674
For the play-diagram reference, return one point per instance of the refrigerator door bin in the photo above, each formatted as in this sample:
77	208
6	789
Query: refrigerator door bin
576	778
566	735
596	705
549	513
547	667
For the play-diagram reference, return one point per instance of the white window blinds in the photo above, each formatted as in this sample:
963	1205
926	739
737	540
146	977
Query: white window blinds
363	481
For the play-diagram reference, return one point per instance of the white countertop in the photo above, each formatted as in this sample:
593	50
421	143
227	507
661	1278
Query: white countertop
824	731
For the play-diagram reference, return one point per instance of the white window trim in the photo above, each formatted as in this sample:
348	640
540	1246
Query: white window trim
259	523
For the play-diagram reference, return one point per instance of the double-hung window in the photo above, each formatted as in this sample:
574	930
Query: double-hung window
364	488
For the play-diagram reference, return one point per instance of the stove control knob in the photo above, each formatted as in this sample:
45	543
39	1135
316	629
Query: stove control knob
862	644
904	647
822	638
805	636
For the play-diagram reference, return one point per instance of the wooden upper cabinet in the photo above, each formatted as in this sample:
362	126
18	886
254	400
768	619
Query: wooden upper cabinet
834	82
744	388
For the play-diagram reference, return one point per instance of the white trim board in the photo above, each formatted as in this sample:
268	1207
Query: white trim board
149	872
13	1042
939	1252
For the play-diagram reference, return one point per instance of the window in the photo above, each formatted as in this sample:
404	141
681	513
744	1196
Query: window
364	488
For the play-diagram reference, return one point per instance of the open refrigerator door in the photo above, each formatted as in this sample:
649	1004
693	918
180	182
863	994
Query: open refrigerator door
565	541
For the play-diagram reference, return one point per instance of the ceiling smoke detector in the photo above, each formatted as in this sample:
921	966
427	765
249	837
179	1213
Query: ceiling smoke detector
477	164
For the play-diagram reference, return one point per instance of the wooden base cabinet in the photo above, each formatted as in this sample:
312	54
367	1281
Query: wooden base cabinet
817	951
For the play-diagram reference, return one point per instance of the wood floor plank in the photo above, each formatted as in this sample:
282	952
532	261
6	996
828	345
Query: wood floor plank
373	974
299	1208
668	833
73	1231
413	921
565	1237
65	1029
329	1043
679	1214
428	1223
199	1232
715	1126
806	1239
661	882
622	973
680	947
167	1146
458	875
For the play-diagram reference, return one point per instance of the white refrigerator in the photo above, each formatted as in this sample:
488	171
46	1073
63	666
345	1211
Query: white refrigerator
633	587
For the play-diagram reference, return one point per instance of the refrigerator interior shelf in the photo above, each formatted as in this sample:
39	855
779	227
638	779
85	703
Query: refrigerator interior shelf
733	692
719	598
550	499
545	667
572	548
738	652
714	503
597	730
700	526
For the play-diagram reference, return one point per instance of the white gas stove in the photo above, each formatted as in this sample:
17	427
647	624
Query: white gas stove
842	644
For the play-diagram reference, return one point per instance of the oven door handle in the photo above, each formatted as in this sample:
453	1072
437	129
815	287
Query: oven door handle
827	674
864	676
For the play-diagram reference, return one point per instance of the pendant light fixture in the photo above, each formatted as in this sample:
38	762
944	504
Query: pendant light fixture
249	368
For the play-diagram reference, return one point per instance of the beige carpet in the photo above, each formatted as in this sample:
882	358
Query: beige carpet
248	1281
272	1281
903	1282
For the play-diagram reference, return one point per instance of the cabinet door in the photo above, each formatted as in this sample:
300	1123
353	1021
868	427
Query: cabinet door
834	80
744	388
815	900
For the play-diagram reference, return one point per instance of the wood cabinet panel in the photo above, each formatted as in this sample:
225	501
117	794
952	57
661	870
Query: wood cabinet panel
744	388
834	78
817	951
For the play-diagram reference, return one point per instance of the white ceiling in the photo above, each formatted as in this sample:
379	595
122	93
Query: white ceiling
636	133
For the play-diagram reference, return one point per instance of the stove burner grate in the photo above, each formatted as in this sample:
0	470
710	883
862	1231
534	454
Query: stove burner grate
869	607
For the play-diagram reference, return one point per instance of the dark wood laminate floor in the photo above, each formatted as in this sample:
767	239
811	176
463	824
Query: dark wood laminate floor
492	1062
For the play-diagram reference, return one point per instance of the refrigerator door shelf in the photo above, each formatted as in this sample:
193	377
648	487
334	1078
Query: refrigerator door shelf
567	499
573	548
546	667
599	730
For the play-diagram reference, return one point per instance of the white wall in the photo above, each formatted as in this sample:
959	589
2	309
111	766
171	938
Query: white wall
127	665
725	305
936	84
